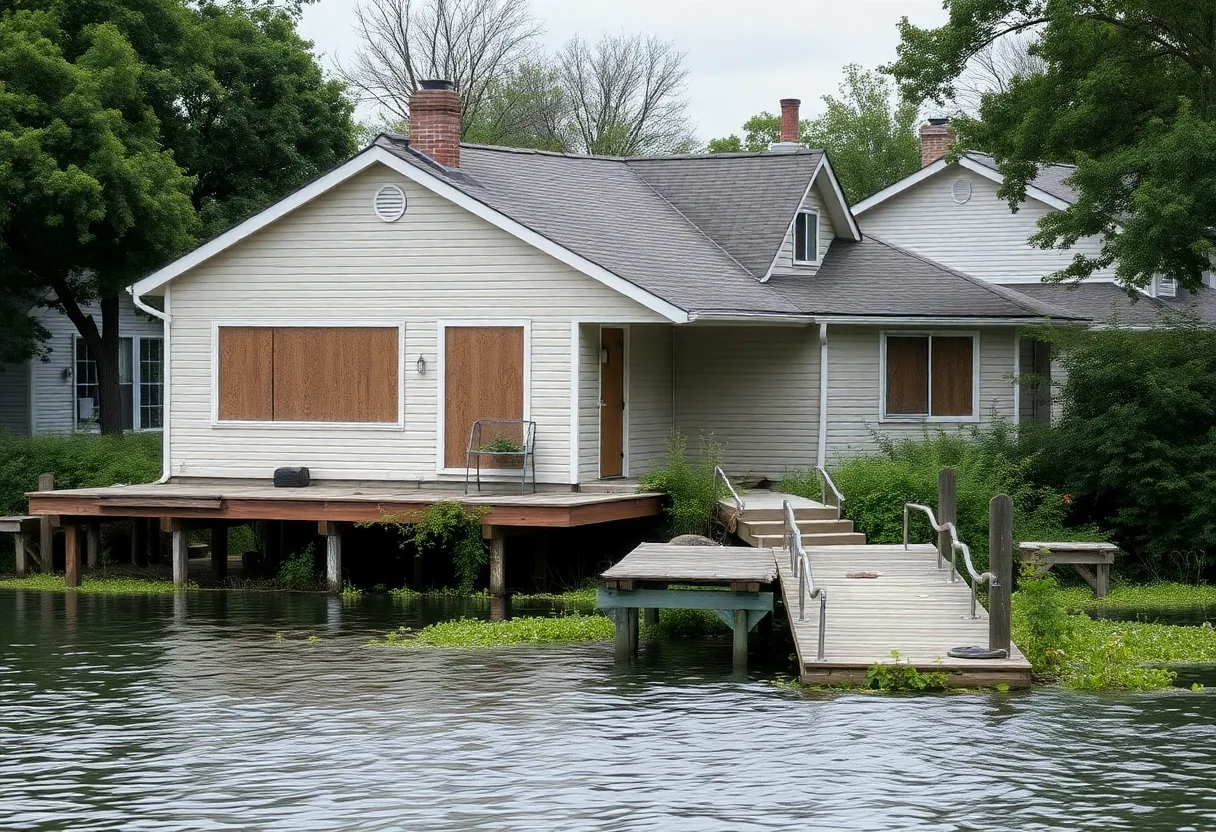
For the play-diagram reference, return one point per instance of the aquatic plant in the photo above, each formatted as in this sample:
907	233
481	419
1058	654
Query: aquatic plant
351	592
1158	597
94	585
676	623
579	596
471	632
899	674
692	488
299	570
1042	621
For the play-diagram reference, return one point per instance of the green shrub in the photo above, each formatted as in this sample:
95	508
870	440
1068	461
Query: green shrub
79	460
899	674
447	527
1041	622
692	488
299	570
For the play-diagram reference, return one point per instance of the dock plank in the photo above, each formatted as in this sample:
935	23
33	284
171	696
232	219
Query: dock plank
695	564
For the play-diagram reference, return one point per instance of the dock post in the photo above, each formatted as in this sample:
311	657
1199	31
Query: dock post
181	553
333	555
92	543
21	551
219	551
139	541
1000	564
623	649
46	531
71	555
650	616
740	628
633	631
946	513
498	561
540	562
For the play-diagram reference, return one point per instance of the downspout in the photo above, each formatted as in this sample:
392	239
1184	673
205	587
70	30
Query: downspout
822	457
166	319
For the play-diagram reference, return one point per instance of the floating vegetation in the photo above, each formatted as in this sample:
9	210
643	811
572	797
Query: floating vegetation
1134	598
351	593
471	632
677	623
579	596
94	585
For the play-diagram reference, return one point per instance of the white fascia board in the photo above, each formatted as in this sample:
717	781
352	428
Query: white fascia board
995	176
431	182
878	320
842	203
775	318
900	186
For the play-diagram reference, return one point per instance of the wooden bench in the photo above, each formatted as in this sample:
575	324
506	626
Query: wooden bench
1080	556
25	530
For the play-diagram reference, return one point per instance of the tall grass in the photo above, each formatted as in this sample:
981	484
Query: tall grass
692	488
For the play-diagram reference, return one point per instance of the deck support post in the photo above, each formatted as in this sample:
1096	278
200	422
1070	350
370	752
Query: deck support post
21	551
946	513
633	631
1000	564
139	541
71	555
650	616
181	553
92	542
219	551
46	530
498	560
540	562
333	555
740	629
624	650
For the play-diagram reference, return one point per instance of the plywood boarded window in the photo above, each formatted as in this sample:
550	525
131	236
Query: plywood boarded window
483	379
930	375
309	374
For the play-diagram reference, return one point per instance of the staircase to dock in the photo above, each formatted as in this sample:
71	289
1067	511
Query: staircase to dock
761	522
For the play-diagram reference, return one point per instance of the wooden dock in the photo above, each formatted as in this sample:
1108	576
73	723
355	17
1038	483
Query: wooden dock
910	607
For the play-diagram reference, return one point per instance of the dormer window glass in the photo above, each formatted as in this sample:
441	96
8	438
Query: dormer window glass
806	237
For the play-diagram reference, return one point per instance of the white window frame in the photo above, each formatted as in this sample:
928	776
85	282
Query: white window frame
906	418
77	427
229	424
442	327
794	238
137	393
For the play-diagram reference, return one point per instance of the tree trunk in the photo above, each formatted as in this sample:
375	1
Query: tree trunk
109	397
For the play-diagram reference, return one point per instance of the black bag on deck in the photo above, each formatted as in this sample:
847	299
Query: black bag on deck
290	477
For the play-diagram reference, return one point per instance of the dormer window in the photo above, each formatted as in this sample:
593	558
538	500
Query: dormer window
806	237
1167	287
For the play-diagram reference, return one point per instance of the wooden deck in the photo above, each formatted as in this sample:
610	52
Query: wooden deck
666	564
910	607
334	502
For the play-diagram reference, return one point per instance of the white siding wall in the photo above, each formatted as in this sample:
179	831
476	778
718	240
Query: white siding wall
15	398
755	390
651	416
854	373
54	395
784	265
981	237
333	260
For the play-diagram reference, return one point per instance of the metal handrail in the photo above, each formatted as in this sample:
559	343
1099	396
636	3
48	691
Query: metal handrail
718	472
955	546
825	482
800	564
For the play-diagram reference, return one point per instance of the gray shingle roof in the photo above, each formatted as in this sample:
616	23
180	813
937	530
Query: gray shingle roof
1103	302
873	278
1050	178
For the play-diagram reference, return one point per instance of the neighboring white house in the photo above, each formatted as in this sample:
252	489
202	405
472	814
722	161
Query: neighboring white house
951	213
360	325
57	392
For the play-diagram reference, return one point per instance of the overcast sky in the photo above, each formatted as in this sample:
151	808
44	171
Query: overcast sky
743	55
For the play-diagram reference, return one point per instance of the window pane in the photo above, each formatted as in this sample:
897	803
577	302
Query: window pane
952	376
800	237
124	361
812	236
86	385
908	376
151	383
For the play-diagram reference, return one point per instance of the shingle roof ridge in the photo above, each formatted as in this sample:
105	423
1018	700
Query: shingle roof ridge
661	157
1029	304
989	161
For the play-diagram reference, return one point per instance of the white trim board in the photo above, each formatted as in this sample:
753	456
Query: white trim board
939	166
842	205
441	345
885	418
227	424
366	159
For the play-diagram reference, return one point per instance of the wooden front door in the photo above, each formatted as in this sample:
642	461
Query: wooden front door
483	379
612	402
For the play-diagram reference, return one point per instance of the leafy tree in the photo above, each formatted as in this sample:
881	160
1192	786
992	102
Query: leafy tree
871	142
1124	91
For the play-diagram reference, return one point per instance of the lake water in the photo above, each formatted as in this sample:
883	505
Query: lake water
215	712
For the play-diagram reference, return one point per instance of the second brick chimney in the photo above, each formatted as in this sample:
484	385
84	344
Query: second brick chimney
936	136
435	122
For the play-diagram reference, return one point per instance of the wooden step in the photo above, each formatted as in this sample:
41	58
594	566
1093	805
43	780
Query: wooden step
824	513
770	527
777	541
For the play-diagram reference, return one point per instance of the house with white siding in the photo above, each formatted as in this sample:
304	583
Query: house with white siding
56	391
951	212
362	324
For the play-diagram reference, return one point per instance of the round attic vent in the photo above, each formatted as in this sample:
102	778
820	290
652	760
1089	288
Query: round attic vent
389	203
961	191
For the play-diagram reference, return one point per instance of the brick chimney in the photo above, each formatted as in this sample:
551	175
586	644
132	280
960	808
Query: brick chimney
789	120
435	122
936	136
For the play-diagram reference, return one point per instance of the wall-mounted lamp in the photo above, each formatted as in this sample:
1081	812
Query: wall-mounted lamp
421	366
65	373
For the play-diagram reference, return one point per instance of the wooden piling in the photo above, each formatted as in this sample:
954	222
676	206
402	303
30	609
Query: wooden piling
623	651
498	561
71	555
92	542
219	551
1000	564
946	512
650	616
21	547
540	562
333	555
139	541
181	555
740	641
46	531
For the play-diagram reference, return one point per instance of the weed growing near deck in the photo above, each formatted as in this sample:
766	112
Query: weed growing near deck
577	597
470	632
899	674
1155	597
94	585
692	488
299	570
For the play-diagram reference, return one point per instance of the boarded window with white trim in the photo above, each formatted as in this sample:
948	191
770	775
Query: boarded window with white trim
929	376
